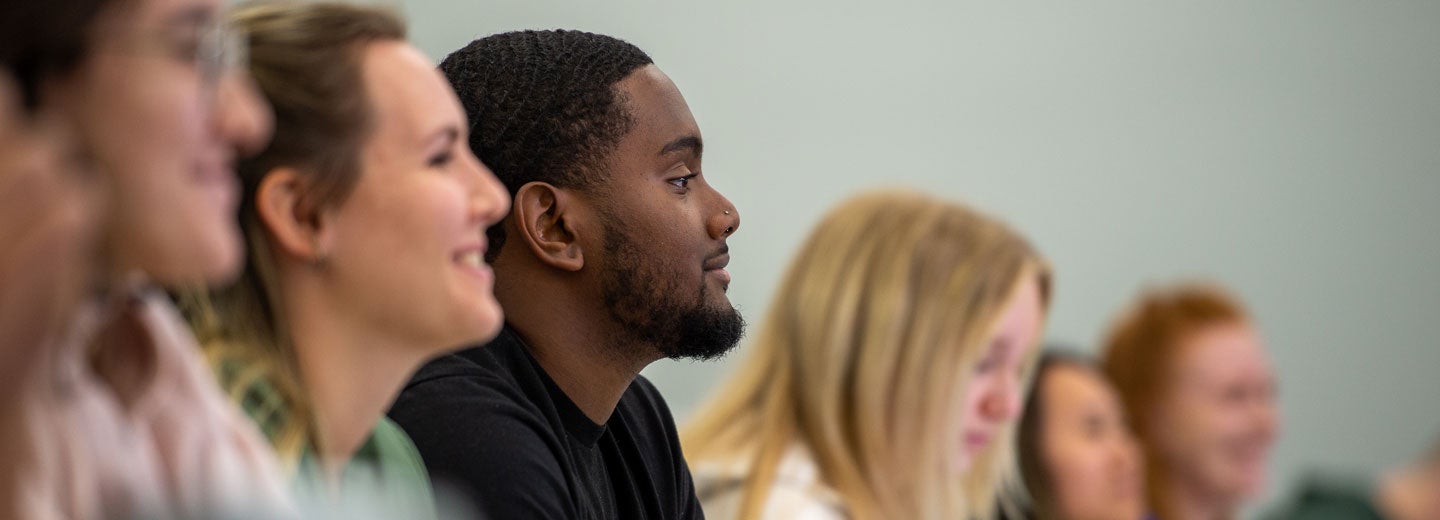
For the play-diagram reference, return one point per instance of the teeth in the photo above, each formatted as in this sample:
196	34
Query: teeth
472	259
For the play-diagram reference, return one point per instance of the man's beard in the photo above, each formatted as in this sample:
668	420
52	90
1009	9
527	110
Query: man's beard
649	304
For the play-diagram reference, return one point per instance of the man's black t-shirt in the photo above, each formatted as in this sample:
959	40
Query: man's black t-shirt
491	420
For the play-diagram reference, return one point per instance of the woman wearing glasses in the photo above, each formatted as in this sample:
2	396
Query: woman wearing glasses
118	414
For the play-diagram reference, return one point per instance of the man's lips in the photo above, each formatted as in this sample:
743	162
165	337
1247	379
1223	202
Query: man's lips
716	264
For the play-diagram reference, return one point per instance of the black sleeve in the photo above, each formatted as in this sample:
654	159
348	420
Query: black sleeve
689	503
479	437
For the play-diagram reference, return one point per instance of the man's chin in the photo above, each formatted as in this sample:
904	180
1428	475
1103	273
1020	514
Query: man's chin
708	334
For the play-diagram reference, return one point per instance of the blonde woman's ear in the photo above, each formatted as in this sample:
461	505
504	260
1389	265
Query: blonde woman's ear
296	227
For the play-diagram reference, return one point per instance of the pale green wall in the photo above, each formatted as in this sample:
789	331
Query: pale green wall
1289	149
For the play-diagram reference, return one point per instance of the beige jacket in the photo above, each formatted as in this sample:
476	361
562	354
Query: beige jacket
137	427
798	493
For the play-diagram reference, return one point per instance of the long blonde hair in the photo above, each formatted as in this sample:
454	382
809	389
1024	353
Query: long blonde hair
306	59
864	356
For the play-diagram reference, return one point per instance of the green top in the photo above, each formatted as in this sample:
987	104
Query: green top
384	479
1320	498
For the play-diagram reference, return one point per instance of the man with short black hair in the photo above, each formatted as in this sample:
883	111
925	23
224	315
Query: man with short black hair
613	256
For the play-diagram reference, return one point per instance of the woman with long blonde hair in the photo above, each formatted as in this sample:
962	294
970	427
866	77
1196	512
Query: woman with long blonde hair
887	375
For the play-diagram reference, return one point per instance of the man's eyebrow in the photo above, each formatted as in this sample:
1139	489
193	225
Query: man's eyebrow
689	143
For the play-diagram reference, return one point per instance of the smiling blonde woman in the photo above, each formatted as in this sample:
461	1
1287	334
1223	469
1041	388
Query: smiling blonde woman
887	377
365	221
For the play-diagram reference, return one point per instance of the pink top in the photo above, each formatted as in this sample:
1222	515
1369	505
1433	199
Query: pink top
136	426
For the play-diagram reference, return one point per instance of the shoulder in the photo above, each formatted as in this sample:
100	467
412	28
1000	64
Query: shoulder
499	359
1320	496
643	421
642	402
395	453
471	403
797	492
643	416
786	502
482	422
384	479
483	382
722	501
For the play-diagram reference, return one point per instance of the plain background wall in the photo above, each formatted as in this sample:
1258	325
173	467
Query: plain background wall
1290	150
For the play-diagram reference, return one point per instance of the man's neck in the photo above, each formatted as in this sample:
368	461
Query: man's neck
563	319
584	363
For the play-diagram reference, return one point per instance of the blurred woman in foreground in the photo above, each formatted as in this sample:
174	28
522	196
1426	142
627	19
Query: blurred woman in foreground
119	416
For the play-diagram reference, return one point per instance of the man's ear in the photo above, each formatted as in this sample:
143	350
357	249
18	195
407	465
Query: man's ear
546	218
289	219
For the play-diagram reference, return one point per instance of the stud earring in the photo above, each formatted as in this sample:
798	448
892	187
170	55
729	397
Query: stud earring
322	257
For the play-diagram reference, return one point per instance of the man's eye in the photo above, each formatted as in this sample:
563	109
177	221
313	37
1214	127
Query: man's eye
682	182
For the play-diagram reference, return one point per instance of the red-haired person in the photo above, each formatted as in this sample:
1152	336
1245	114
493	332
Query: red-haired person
1199	389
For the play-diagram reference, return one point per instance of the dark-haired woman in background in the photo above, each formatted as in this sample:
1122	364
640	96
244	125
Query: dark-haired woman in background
1077	456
